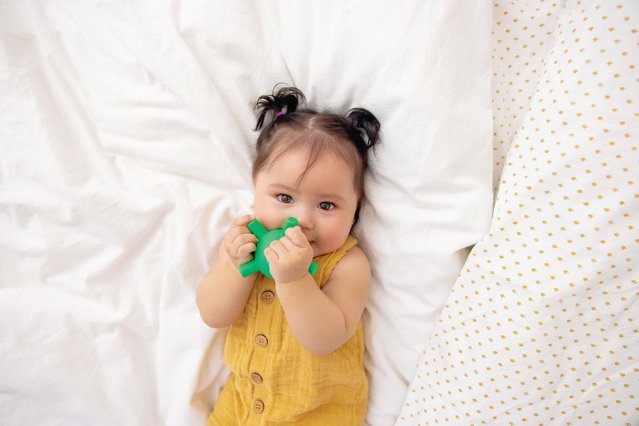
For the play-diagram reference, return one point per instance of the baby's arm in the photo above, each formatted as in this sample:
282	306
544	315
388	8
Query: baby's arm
222	294
324	319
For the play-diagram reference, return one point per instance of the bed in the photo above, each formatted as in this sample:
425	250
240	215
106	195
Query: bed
500	220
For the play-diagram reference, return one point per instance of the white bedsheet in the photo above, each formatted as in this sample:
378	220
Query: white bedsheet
126	144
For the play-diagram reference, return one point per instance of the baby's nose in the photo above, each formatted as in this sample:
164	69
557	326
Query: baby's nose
305	219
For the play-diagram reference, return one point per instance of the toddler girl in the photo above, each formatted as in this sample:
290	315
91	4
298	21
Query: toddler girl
295	346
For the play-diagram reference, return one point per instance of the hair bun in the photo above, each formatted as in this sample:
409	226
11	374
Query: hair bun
365	122
285	100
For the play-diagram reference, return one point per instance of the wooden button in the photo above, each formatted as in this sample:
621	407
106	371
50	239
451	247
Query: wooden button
256	378
258	406
268	296
261	340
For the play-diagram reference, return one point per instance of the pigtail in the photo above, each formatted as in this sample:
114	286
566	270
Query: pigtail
284	101
365	123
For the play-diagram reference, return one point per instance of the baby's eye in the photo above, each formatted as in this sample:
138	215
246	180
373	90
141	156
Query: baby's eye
284	198
326	205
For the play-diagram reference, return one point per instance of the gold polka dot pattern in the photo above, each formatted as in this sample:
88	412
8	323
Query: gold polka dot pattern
522	37
542	325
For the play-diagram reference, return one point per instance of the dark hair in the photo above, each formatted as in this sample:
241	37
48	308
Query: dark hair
350	136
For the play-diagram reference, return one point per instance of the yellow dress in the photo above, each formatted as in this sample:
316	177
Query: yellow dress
274	380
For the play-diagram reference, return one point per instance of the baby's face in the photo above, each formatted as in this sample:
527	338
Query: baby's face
324	200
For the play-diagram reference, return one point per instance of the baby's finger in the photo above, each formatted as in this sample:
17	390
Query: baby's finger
235	232
245	250
289	245
270	255
296	235
243	220
278	247
234	238
234	246
244	239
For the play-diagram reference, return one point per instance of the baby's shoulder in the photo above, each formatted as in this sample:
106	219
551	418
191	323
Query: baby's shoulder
354	263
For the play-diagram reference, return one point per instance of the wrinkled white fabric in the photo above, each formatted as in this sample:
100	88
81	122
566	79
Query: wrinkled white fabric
126	147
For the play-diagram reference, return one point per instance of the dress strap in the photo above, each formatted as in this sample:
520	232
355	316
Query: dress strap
328	261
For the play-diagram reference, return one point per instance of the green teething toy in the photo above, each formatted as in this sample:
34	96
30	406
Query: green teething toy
264	239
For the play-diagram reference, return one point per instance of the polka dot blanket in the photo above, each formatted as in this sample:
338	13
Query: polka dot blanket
542	324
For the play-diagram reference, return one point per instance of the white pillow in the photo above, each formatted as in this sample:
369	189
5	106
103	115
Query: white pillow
424	69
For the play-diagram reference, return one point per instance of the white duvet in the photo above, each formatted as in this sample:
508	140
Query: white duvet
125	150
541	325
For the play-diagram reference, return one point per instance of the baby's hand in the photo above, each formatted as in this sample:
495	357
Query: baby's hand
239	242
290	256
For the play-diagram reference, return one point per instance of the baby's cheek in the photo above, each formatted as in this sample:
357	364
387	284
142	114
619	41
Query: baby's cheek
335	240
